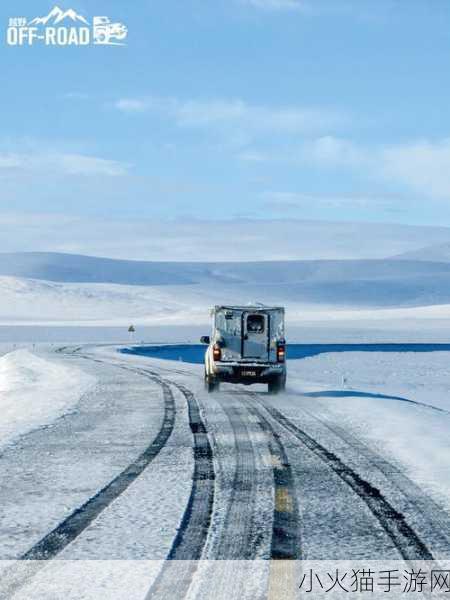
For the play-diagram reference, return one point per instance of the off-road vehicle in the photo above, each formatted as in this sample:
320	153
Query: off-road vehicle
247	346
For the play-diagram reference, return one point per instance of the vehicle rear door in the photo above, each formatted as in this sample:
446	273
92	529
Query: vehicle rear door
255	338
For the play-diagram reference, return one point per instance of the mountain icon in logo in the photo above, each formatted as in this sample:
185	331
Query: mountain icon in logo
56	15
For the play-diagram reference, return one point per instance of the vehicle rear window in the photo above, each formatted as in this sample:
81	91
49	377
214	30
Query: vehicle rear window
255	324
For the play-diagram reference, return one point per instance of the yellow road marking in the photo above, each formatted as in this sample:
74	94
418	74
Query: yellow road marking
283	500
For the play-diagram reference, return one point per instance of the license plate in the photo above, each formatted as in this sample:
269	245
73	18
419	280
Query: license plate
248	373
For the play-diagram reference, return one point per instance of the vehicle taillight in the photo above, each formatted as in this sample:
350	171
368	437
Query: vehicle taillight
281	353
217	352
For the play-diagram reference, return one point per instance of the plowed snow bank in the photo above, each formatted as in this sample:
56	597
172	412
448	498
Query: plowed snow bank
35	391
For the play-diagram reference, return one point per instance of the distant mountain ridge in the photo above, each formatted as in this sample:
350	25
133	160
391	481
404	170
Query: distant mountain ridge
47	287
433	253
72	268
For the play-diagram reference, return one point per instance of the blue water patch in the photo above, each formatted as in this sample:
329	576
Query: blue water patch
194	353
191	353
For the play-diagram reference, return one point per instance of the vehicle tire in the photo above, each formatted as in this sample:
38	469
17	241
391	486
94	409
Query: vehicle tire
277	385
211	384
273	387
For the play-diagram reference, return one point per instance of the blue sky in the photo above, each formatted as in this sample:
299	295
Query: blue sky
308	109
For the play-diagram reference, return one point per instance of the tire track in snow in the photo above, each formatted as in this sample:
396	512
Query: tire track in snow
190	540
404	537
68	530
54	542
192	533
239	538
286	541
191	536
432	518
176	575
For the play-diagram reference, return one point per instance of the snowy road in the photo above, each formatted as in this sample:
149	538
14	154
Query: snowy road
147	466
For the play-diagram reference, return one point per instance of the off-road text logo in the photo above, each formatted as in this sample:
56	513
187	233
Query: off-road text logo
65	28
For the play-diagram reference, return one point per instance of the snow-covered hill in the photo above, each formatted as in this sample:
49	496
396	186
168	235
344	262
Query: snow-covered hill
433	253
37	288
69	268
34	392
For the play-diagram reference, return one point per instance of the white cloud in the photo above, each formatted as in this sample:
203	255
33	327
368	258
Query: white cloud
10	161
326	152
131	105
253	156
420	166
235	114
185	239
423	165
78	164
61	164
279	201
333	152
